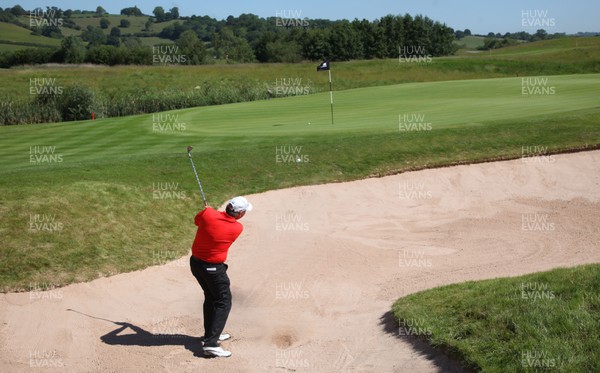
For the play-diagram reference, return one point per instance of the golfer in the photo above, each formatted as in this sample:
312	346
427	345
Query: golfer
217	230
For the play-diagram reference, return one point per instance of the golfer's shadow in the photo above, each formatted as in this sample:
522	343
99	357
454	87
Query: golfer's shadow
144	338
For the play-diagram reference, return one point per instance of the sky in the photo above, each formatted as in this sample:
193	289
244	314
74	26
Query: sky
479	16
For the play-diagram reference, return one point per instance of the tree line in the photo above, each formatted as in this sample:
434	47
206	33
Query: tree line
247	38
495	41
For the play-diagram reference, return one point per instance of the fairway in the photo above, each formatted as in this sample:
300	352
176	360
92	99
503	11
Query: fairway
367	110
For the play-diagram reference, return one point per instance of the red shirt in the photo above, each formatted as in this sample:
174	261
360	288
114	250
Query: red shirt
216	232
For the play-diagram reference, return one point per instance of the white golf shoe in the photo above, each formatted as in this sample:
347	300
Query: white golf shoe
216	351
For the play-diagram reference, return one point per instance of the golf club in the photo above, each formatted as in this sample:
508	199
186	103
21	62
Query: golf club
189	150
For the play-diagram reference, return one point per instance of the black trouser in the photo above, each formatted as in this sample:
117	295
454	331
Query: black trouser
217	297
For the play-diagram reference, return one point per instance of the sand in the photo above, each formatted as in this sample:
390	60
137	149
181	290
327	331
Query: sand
316	271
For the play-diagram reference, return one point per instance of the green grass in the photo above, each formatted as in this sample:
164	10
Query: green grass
531	51
102	191
9	47
153	40
19	35
470	42
545	321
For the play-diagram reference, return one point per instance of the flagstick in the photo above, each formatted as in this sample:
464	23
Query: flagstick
331	95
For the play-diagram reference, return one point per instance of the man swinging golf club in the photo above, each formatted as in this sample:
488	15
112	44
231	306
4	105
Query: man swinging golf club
217	230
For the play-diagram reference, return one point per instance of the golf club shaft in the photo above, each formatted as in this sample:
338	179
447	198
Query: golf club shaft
198	179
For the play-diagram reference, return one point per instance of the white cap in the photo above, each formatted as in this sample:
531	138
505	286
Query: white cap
240	204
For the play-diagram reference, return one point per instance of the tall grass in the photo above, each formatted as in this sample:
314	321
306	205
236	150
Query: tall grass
51	108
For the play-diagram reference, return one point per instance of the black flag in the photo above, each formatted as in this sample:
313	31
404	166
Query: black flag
323	66
326	66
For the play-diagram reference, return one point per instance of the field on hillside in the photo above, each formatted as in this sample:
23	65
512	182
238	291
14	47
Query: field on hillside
13	37
470	42
19	37
137	23
558	50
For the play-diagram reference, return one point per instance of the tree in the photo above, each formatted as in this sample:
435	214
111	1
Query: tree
372	37
442	40
17	11
192	48
72	50
132	11
51	31
173	31
115	32
231	47
345	42
393	34
124	23
148	24
260	49
174	12
495	43
159	14
459	34
274	47
93	35
315	45
100	11
104	23
467	32
284	51
540	35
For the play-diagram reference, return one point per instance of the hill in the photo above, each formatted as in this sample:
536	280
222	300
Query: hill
14	37
137	23
470	42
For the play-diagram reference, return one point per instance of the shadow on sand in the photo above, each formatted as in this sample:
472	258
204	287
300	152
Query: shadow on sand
441	360
142	337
